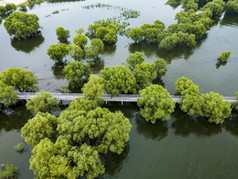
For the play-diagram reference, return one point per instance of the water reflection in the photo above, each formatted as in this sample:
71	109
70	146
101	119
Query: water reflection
185	125
109	49
113	162
156	131
57	69
219	63
27	45
231	124
159	81
229	20
97	66
14	118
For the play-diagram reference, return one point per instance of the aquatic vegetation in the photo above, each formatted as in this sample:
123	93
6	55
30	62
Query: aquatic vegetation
8	171
19	147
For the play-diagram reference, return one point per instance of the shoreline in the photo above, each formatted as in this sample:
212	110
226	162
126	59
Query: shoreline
16	2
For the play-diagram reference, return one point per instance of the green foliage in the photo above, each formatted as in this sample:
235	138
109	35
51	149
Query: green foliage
62	34
80	40
77	74
216	7
55	12
22	80
160	66
22	25
76	52
232	7
58	51
42	102
155	103
182	84
118	80
19	147
94	88
8	171
2	10
224	56
8	96
134	59
130	13
94	49
41	126
191	5
178	39
10	7
136	34
22	7
215	108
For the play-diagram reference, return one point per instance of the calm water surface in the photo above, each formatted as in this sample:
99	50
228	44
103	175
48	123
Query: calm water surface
178	148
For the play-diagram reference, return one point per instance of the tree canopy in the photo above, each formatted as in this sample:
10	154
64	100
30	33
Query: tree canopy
62	34
42	102
22	25
22	80
118	80
155	103
58	51
80	40
8	96
77	73
134	59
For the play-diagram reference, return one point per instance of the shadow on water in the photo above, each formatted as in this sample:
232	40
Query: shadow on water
229	20
109	49
156	131
113	162
14	118
57	1
159	81
231	124
27	45
97	66
185	125
57	69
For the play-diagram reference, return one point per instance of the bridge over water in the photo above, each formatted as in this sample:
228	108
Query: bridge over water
106	97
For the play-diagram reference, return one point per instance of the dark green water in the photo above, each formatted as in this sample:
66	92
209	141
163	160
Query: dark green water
178	148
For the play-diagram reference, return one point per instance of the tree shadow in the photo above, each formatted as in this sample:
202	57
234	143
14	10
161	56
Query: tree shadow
113	162
14	118
57	69
97	65
229	20
184	125
109	49
159	81
156	131
231	124
27	45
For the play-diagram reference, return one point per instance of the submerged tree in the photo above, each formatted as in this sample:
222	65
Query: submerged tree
77	74
58	51
22	25
224	57
62	34
42	102
76	52
8	96
155	103
134	59
22	80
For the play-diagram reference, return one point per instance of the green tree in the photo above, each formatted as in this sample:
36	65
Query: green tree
107	35
136	34
76	52
94	88
77	74
80	40
160	66
118	80
155	103
191	5
94	49
41	126
215	108
8	171
8	96
224	56
235	104
10	7
134	59
182	84
58	51
216	7
22	25
42	102
22	80
62	34
2	10
231	7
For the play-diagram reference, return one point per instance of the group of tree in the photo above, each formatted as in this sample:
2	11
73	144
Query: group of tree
15	79
78	50
210	105
22	25
7	8
8	171
134	76
74	144
232	7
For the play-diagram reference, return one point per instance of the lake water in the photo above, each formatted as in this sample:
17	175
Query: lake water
178	148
